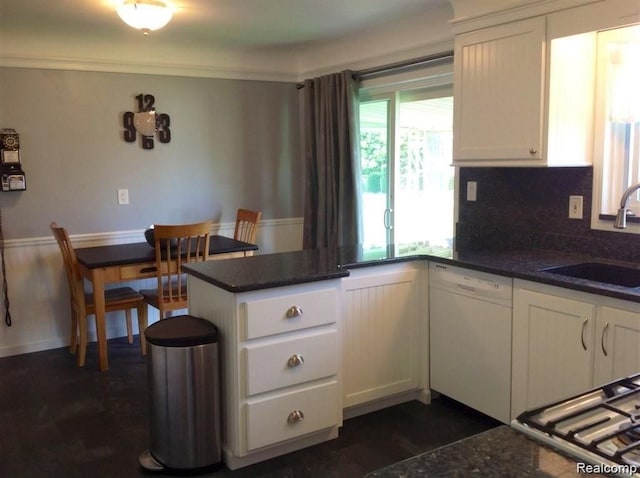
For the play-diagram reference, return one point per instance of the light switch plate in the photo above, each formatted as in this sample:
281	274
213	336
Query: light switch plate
123	197
575	207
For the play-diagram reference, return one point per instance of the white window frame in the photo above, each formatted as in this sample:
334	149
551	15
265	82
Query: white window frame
601	144
390	87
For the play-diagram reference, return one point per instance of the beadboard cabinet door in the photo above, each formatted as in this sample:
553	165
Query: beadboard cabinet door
553	347
381	333
499	92
617	343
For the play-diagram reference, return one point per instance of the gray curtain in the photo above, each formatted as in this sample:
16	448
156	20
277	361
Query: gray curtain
332	160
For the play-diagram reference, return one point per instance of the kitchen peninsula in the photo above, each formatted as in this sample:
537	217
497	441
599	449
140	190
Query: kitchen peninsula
284	318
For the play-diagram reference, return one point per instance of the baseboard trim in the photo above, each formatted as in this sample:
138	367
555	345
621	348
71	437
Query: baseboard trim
234	462
32	347
362	409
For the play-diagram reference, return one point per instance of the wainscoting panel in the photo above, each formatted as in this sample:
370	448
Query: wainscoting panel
39	296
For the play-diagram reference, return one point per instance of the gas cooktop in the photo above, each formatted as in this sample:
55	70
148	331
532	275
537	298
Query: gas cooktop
600	427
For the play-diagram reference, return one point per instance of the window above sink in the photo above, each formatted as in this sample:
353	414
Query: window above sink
617	127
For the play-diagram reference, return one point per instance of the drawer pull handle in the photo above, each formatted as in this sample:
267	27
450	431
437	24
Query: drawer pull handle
294	311
533	150
295	360
584	327
295	416
148	269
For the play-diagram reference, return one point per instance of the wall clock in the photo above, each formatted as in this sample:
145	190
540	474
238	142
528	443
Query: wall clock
146	122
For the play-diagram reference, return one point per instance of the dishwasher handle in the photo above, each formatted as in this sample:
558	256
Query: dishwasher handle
467	288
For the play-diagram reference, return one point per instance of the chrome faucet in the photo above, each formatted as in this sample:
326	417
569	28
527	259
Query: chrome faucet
621	217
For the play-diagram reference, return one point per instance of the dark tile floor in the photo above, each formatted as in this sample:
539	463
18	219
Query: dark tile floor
60	420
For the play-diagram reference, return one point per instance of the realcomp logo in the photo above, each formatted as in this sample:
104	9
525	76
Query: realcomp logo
618	470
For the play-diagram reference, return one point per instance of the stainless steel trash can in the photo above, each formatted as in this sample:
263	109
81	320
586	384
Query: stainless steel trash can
184	394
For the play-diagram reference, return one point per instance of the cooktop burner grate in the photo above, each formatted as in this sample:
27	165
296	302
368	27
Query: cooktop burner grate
604	421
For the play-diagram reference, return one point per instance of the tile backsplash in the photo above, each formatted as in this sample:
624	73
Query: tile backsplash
528	208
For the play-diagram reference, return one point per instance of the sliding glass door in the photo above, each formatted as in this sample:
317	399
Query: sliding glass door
407	177
376	144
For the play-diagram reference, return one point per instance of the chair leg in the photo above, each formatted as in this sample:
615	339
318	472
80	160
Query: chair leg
127	314
142	325
73	342
82	348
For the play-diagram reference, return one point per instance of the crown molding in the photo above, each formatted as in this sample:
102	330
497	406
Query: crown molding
167	69
509	14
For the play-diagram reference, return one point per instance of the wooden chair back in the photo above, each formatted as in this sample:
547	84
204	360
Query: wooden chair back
74	279
247	225
177	245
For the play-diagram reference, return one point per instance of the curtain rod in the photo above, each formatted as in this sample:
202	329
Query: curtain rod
414	62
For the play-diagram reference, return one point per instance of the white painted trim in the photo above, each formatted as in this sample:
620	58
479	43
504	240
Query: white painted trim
137	235
377	60
475	22
169	69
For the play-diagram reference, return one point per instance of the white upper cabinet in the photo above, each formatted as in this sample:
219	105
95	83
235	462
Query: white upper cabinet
521	100
498	93
524	89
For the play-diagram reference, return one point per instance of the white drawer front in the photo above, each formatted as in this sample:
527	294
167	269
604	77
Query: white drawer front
285	362
276	316
268	420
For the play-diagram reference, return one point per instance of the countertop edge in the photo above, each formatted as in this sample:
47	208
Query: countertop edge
525	265
270	285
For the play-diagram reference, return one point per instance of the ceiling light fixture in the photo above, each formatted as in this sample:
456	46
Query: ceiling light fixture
145	15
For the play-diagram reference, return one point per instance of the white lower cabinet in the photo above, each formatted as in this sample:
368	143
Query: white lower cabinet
280	359
566	342
617	342
384	334
552	347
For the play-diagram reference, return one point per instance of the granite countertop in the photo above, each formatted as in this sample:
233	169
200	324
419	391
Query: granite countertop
288	268
499	452
269	270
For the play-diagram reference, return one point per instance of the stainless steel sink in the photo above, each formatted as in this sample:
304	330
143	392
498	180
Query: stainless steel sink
599	272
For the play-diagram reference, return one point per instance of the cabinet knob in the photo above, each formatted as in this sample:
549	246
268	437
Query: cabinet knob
295	416
295	360
533	150
294	311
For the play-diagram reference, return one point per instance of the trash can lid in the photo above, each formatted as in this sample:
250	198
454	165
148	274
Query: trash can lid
181	331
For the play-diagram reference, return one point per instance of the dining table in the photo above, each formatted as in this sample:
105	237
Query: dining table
102	265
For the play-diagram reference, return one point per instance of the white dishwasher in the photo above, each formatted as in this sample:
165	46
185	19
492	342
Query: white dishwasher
470	338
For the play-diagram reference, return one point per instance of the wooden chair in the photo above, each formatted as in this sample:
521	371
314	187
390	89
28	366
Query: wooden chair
246	226
176	245
82	306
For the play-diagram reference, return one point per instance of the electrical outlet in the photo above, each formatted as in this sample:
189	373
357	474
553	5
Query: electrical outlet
575	207
123	197
472	190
